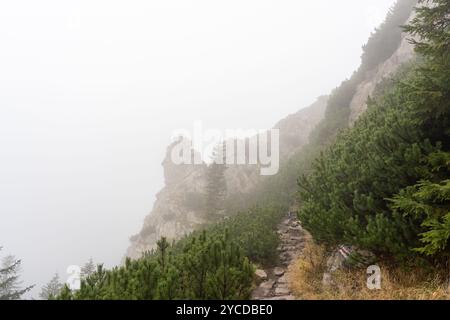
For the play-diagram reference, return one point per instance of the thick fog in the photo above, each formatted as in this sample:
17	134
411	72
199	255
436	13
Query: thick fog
90	92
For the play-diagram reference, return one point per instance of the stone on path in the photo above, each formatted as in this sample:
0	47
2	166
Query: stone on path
282	291
261	275
279	271
267	284
282	280
263	290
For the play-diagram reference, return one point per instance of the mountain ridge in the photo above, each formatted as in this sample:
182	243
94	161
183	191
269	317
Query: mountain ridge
177	209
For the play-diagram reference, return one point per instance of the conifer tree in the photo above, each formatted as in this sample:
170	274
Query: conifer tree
208	264
345	199
197	264
216	188
10	284
429	202
88	269
51	289
386	38
163	246
232	275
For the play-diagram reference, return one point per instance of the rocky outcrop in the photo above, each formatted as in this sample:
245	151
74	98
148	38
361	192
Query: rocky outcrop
178	209
295	128
179	206
374	77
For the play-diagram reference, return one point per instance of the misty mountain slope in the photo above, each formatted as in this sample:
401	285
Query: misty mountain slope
383	184
380	185
178	208
375	76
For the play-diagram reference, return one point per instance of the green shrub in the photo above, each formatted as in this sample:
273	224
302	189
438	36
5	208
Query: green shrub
346	197
209	264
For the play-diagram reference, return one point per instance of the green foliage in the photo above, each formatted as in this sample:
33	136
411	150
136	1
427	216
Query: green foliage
209	264
432	26
429	201
343	195
344	199
10	284
281	188
337	112
216	187
386	38
380	46
254	231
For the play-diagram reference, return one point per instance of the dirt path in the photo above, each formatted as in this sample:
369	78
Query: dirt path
275	284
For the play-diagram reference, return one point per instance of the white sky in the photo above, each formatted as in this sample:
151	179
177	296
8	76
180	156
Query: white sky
90	92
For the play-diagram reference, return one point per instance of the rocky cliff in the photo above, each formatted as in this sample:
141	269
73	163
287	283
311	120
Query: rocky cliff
178	209
374	77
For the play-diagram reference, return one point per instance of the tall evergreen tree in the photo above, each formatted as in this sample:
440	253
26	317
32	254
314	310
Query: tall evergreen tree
216	188
10	284
88	269
163	255
429	202
51	289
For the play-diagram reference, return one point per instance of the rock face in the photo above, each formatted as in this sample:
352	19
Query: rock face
295	128
179	206
261	275
366	88
176	210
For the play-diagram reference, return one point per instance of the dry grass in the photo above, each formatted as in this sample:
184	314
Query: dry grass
397	284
